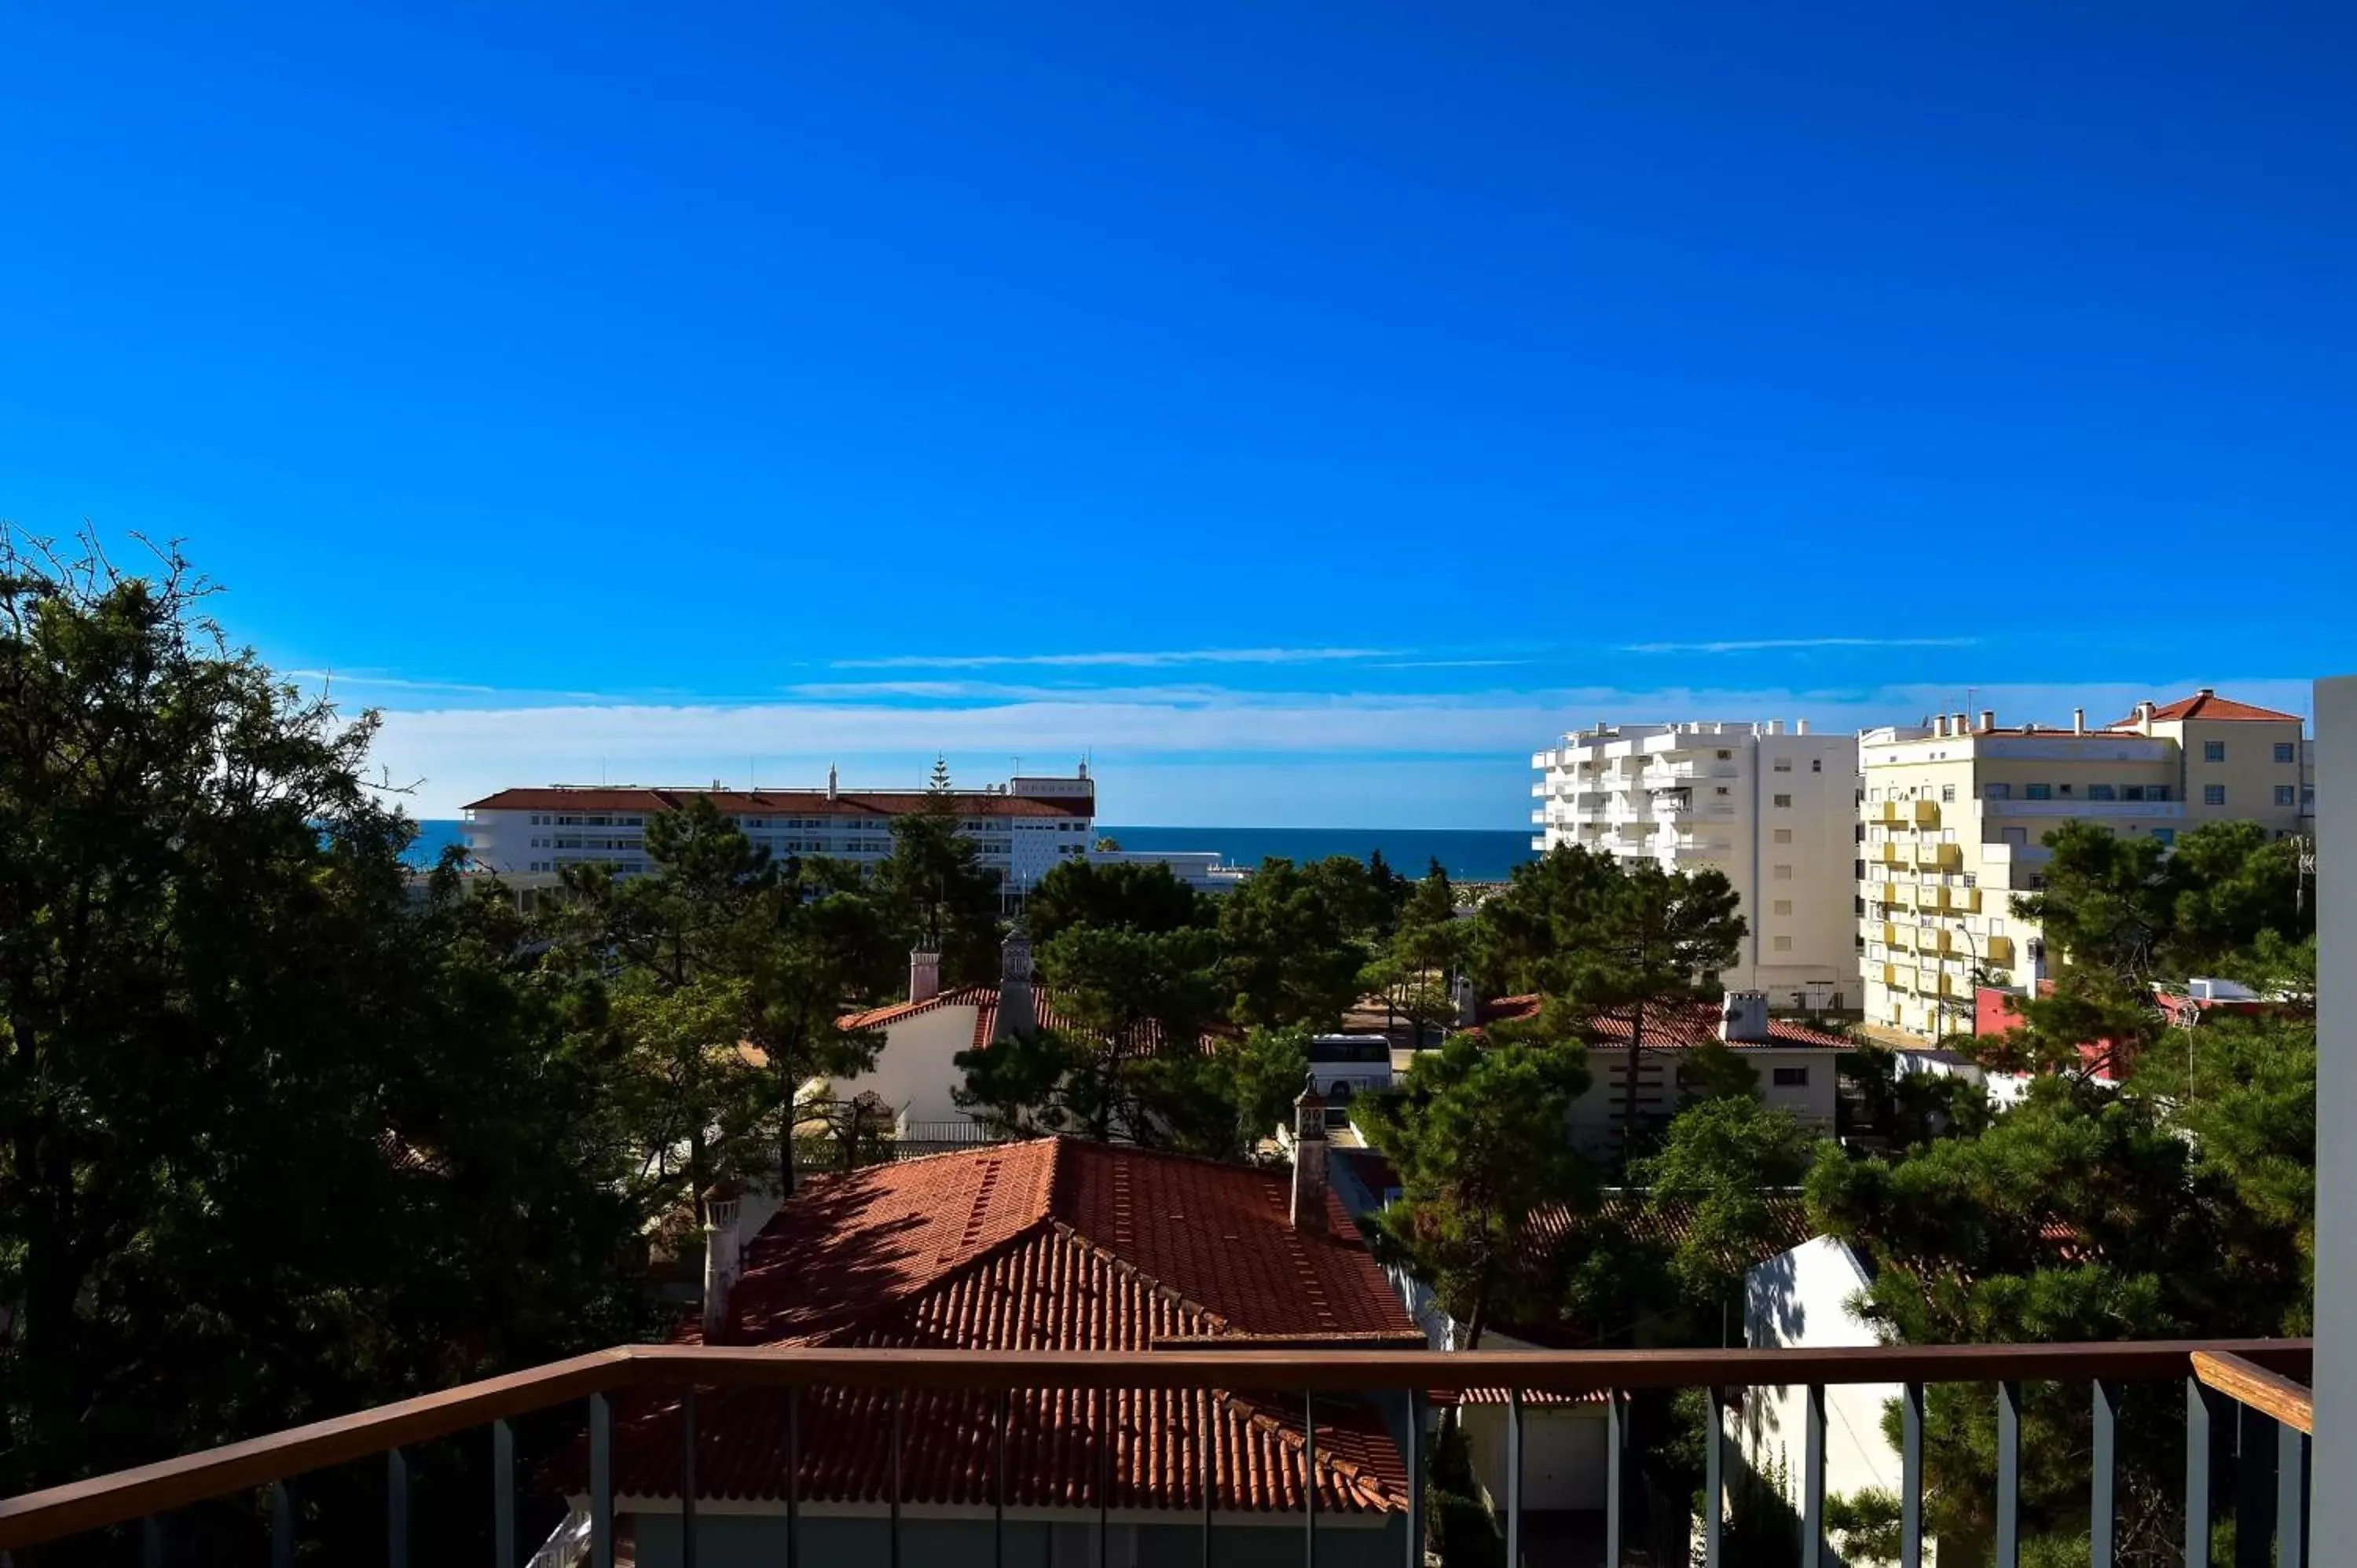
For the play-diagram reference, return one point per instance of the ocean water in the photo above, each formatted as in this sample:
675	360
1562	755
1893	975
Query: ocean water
1468	855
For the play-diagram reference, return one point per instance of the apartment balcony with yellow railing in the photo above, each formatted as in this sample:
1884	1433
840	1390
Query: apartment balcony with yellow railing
1926	813
1939	856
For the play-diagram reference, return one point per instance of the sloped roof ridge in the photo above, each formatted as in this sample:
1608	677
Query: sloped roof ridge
895	1305
1153	1282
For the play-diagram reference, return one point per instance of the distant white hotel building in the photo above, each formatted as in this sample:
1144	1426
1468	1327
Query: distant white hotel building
1774	808
1021	828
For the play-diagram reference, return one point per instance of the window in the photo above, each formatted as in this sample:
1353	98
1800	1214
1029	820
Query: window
1792	1078
1997	792
2213	751
2038	791
2131	792
2101	792
1816	764
1783	874
1783	799
1784	905
2018	836
1783	835
1783	944
1723	790
1783	765
2213	794
1727	757
2287	752
1948	794
2285	795
2164	835
2156	793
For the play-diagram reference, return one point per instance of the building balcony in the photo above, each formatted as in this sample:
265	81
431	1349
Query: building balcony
1927	814
954	1439
1939	856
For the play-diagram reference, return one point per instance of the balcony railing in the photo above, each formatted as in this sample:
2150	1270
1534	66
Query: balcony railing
2259	1375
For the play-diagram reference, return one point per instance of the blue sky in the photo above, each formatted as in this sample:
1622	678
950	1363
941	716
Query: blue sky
1309	409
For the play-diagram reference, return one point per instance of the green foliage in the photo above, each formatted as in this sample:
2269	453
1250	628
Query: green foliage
723	979
1428	944
1905	1110
1125	983
1477	1137
1547	905
2145	911
1725	1159
938	891
1125	896
276	1142
1292	941
2086	1214
1219	1103
1715	1071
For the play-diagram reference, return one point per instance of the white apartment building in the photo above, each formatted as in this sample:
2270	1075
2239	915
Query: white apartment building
1956	814
1771	806
1020	828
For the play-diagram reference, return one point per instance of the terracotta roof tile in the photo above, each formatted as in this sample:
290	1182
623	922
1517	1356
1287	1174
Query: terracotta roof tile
780	802
1049	1009
1046	1244
2207	705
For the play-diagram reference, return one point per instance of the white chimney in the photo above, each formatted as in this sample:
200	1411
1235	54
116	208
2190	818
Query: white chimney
1017	1014
1939	725
1744	1018
924	974
830	781
1309	1160
1989	719
2078	721
1800	726
723	1251
1467	1003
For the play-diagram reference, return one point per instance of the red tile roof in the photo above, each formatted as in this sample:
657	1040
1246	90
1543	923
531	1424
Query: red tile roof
1048	1244
2207	705
1669	1030
780	802
1049	1009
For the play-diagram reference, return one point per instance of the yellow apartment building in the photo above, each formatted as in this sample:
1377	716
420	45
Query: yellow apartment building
1953	815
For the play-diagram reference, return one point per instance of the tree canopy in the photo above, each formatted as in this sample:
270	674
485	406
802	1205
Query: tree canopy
277	1140
1475	1133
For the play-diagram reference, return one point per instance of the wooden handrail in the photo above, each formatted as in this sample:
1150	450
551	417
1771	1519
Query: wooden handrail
102	1500
2246	1382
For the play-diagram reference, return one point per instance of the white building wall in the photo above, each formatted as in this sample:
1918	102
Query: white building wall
1801	1298
917	1069
1595	1117
1772	807
2335	1455
1021	849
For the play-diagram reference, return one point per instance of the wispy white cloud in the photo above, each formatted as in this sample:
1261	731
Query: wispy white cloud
1284	751
1452	664
1133	661
1766	644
